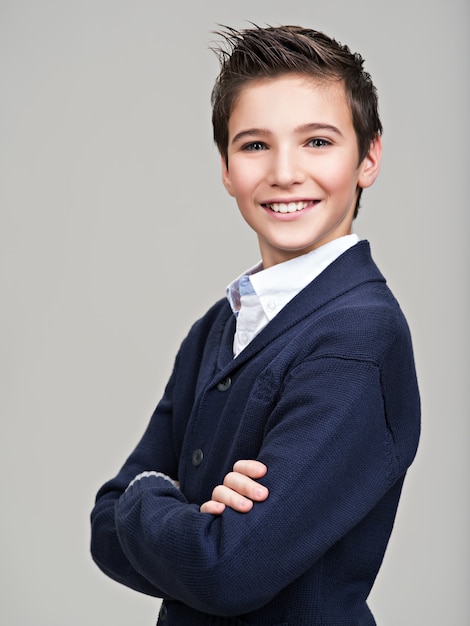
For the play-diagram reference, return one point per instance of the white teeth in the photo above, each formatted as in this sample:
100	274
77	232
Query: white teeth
287	207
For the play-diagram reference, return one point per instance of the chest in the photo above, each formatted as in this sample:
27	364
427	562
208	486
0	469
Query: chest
226	415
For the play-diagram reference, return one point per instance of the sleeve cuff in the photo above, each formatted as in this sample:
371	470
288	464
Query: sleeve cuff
154	474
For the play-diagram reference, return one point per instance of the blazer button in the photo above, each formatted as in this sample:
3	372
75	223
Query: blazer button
224	384
163	613
197	457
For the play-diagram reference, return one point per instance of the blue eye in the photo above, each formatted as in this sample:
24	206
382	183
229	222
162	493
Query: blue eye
319	143
254	146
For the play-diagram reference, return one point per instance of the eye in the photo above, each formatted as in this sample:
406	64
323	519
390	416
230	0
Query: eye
318	142
254	146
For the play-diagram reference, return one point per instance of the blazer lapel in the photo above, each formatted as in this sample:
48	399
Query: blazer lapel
353	268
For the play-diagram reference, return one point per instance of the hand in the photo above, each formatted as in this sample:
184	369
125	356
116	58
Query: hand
239	489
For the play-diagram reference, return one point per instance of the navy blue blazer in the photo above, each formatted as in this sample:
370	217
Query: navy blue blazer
327	397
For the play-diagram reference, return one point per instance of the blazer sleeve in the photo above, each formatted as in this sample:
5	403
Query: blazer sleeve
342	434
156	451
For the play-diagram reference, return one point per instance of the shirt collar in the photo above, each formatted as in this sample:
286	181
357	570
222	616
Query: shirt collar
241	285
277	285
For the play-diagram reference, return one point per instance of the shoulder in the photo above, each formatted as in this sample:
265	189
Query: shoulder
218	313
362	312
211	324
362	323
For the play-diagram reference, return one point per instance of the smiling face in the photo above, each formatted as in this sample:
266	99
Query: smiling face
293	164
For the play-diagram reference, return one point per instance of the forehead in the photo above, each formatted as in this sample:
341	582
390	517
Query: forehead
297	98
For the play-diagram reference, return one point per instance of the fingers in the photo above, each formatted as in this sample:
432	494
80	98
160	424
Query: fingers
233	498
213	507
251	468
242	485
222	497
239	490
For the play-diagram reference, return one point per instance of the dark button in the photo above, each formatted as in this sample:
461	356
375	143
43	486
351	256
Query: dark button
224	384
198	455
163	613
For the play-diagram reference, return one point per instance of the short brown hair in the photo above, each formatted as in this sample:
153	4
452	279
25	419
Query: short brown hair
256	53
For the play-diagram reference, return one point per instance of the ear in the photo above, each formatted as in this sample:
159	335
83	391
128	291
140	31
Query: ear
226	175
370	167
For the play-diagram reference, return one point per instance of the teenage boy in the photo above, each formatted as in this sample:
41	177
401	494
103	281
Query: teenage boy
306	369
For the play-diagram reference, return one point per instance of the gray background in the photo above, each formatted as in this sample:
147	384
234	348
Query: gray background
116	233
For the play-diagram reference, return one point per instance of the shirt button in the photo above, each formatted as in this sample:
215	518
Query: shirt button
197	457
224	384
272	305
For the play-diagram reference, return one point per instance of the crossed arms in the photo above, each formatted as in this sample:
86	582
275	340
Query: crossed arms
239	489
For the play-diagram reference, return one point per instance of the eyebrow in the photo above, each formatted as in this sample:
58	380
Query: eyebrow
264	132
318	126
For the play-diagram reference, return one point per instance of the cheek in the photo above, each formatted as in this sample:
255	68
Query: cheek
244	181
338	177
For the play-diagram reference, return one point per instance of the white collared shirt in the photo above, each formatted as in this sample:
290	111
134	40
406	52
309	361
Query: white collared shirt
258	295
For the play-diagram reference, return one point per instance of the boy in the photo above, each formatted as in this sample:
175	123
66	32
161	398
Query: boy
306	369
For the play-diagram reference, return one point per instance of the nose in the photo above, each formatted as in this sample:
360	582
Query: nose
285	168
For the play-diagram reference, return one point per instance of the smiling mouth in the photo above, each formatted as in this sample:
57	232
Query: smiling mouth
288	207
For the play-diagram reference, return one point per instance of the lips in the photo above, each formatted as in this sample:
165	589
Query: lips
288	207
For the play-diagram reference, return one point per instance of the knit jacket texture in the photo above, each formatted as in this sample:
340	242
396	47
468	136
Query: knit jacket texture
326	396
